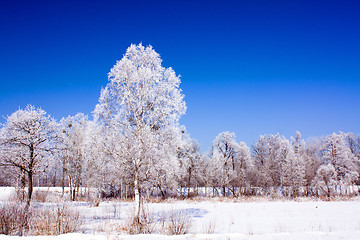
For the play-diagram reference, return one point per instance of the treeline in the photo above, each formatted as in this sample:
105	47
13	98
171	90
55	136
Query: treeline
77	152
135	146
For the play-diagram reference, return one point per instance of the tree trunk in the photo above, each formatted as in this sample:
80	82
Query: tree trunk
30	188
137	197
30	176
72	189
189	181
163	195
63	178
98	197
22	185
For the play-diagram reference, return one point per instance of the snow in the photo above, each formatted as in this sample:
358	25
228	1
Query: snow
230	219
272	218
6	193
233	236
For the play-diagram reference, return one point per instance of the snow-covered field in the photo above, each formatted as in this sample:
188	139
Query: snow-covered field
225	219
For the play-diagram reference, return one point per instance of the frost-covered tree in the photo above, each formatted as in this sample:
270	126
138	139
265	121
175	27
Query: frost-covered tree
270	153
190	162
325	178
141	102
73	130
223	160
230	162
28	141
353	143
245	165
297	143
336	152
312	159
260	155
8	175
294	165
100	171
163	164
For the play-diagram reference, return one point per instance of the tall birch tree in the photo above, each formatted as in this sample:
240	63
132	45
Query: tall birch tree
141	100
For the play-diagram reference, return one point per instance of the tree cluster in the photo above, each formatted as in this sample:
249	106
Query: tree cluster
135	146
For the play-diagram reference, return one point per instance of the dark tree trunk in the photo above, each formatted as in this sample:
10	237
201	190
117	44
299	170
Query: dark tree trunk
163	195
22	185
30	188
189	181
63	178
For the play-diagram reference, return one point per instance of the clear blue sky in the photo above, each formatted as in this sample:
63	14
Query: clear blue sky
251	67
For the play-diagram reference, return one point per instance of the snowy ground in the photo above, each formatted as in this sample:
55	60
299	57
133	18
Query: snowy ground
227	219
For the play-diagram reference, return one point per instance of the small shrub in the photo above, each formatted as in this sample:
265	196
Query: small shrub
55	221
40	196
116	210
145	225
14	219
178	222
20	194
209	227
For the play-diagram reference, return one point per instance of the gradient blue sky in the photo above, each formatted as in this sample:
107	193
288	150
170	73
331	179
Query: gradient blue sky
251	67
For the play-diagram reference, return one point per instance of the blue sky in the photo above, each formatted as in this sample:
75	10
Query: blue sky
251	67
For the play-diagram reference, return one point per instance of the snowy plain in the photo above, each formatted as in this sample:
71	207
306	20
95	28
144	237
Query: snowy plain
221	218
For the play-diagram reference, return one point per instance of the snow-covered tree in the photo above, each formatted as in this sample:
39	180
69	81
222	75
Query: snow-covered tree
269	154
8	175
297	143
260	155
245	166
294	165
229	162
163	163
73	130
223	160
28	141
141	102
353	143
190	162
100	171
336	152
325	178
311	154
